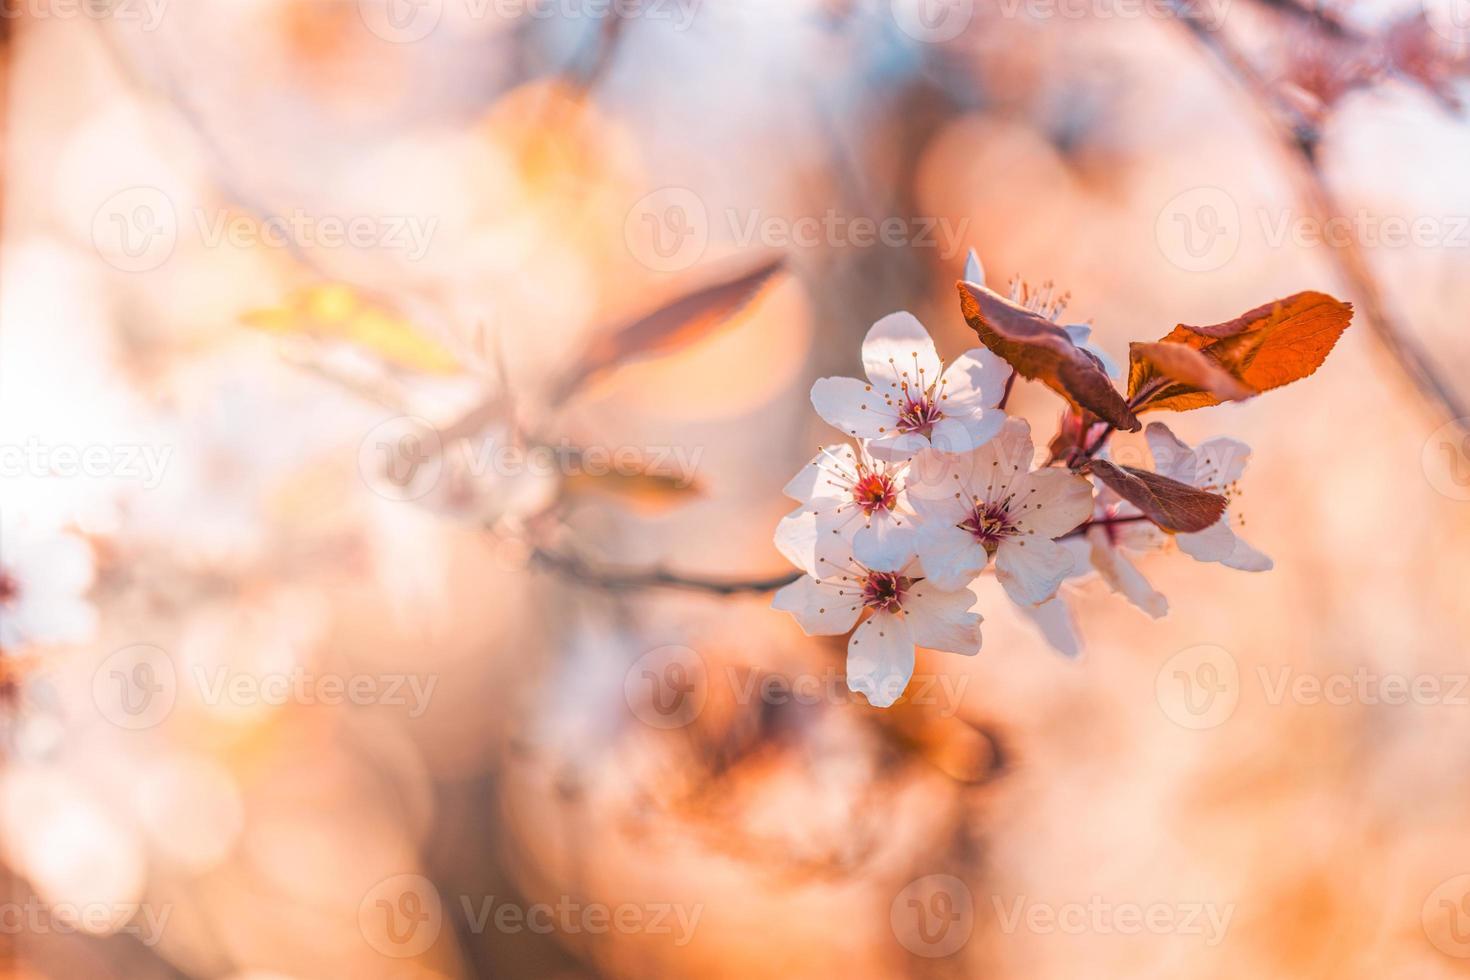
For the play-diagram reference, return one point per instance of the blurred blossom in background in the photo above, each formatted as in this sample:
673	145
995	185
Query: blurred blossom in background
372	373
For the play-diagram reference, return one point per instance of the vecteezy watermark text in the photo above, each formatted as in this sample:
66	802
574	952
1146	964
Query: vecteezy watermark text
138	686
1098	916
145	464
669	229
32	916
405	458
147	14
138	228
403	915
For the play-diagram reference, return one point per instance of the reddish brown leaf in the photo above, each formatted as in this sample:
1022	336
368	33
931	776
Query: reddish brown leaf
1172	505
670	327
1040	350
1179	377
1270	346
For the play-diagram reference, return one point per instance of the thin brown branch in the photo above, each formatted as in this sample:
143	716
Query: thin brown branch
1298	139
582	572
1083	528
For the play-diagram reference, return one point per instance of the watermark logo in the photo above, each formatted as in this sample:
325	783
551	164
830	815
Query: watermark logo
1198	687
1450	19
401	916
136	229
402	458
667	687
667	230
933	21
1198	230
401	21
135	687
933	916
1445	916
1446	459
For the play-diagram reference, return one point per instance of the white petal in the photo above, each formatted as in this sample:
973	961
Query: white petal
934	475
831	471
1220	462
951	558
1248	559
964	433
997	465
1172	458
851	406
1031	569
885	543
1051	502
895	447
977	378
820	609
898	353
880	659
1054	618
974	271
1214	543
796	539
1079	333
941	620
1119	573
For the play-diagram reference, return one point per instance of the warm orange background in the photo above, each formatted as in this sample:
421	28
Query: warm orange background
1054	147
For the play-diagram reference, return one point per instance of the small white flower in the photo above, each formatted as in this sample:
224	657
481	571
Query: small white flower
910	402
849	500
44	577
1118	528
1216	466
993	503
902	609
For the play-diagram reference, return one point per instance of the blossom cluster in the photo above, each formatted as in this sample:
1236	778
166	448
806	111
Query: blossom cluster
939	485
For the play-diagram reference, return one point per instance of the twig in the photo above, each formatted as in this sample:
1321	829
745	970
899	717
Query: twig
1299	138
631	580
1103	522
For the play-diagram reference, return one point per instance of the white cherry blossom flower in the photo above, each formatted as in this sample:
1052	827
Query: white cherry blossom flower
1216	466
898	609
850	500
44	578
909	402
1119	530
994	504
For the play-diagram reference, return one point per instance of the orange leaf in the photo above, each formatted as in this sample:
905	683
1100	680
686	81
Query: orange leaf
1179	378
1040	350
1270	346
670	327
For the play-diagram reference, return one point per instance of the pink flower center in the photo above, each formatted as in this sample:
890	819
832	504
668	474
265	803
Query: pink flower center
884	591
918	414
990	524
874	492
